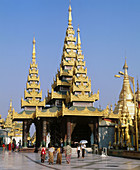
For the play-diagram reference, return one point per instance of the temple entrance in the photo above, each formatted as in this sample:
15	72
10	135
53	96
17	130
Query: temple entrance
55	133
81	132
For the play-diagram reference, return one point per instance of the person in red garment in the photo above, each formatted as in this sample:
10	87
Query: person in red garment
3	146
43	153
9	147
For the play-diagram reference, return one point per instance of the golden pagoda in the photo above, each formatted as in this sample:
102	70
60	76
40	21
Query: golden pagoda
71	98
80	91
14	128
1	123
64	76
31	101
32	93
138	108
67	115
126	109
72	85
128	94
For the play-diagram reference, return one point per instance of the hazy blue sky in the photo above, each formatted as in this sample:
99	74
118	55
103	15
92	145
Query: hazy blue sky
109	30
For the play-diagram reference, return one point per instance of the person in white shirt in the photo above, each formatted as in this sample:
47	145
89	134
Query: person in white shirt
78	150
83	146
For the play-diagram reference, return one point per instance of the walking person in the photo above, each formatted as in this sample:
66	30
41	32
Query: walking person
43	153
3	146
51	155
13	146
78	151
83	146
68	151
59	155
19	146
9	147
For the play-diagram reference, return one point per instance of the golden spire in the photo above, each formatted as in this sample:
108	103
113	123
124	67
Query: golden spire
126	85
125	67
70	16
138	92
10	104
137	85
33	54
32	93
78	39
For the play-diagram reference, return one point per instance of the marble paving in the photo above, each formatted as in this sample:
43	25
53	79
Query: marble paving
31	161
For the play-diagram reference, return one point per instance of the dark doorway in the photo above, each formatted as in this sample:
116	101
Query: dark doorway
81	132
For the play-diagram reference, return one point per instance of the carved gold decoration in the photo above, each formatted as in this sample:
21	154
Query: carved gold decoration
33	78
70	38
80	78
32	86
33	71
59	82
32	102
81	70
70	54
33	65
82	87
69	62
48	113
66	72
17	116
32	94
84	112
84	97
70	46
80	63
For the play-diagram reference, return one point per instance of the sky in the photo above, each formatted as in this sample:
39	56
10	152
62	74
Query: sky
109	29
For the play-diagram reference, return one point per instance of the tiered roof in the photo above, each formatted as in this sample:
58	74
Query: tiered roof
8	122
71	90
32	93
80	90
64	76
14	128
71	83
1	123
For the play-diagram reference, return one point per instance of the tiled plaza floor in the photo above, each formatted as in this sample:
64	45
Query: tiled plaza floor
31	161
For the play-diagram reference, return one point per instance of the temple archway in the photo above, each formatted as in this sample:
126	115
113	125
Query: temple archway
82	131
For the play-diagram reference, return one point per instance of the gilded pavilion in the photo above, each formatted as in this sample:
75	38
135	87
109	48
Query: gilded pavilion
14	128
9	129
1	123
68	113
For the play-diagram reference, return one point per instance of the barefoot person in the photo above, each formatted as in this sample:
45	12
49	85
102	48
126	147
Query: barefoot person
3	146
51	154
68	153
83	146
59	155
78	151
43	153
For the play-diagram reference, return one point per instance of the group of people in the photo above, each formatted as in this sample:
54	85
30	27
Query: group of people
81	147
52	151
12	146
58	151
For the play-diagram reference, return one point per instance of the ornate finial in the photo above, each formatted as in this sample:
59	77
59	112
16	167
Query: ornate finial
125	65
137	85
111	109
78	39
70	16
138	92
33	57
10	103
